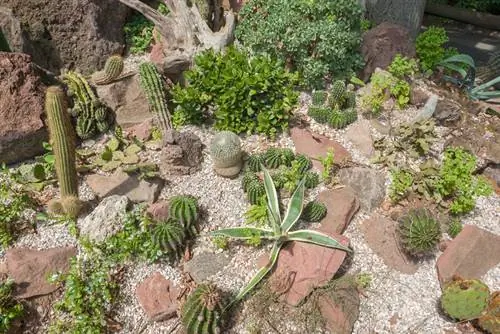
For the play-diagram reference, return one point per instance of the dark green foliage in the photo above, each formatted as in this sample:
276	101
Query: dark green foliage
319	114
319	97
202	311
326	44
488	6
350	99
304	163
312	179
419	232
169	236
248	94
314	211
4	45
10	309
337	120
454	228
255	162
184	208
255	191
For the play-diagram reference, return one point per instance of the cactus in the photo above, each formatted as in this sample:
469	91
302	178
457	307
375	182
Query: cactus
248	178
273	157
225	150
71	206
350	115
464	299
184	208
490	320
169	236
279	179
350	99
319	98
312	180
255	191
255	162
454	228
337	120
337	93
304	162
419	232
319	114
287	156
156	92
314	211
202	311
112	70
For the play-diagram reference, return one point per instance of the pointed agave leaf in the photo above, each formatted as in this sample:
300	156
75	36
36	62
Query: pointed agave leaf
243	233
317	238
272	201
294	207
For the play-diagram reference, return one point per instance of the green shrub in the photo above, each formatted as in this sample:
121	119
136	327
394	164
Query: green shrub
402	67
320	39
402	181
139	31
10	309
246	94
385	84
430	47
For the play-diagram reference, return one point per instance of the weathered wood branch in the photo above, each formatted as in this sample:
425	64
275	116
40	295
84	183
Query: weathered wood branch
485	20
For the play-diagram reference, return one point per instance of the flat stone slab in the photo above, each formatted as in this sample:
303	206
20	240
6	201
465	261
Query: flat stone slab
360	135
471	254
341	206
158	297
205	265
368	184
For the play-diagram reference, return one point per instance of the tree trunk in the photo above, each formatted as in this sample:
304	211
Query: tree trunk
185	32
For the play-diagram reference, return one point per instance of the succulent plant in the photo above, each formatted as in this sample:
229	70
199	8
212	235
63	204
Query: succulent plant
319	114
248	178
454	228
71	206
304	163
419	232
272	158
319	98
112	69
490	320
350	99
314	211
225	150
351	115
312	179
279	179
287	156
465	299
202	311
255	191
169	236
337	93
337	119
255	162
184	208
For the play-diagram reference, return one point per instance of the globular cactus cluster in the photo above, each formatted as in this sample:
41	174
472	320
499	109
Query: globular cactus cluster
155	89
253	187
275	157
314	211
63	142
490	320
225	150
336	108
202	311
419	232
91	114
170	236
255	162
184	208
312	180
304	163
465	299
112	70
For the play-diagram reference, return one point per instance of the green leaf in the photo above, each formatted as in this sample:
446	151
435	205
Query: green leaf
316	238
113	144
272	201
107	155
243	233
39	172
461	58
49	158
294	207
132	149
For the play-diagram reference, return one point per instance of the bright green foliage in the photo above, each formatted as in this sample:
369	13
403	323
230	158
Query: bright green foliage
248	178
184	208
91	115
257	214
304	163
112	69
465	299
139	31
454	228
314	211
169	236
430	47
255	192
312	179
275	157
457	182
10	309
419	232
327	163
225	149
337	120
88	294
402	67
326	45
384	84
490	320
248	94
202	311
255	161
278	231
155	88
401	91
402	180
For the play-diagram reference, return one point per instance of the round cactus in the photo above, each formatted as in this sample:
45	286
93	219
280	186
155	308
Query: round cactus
71	206
202	311
169	236
279	179
319	98
287	156
225	149
273	158
248	178
184	208
314	211
254	162
419	232
312	180
319	114
337	93
490	320
350	116
337	119
304	163
255	191
465	299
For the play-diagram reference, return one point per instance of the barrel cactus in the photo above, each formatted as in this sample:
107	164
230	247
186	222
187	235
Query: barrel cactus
314	211
465	299
184	208
419	232
350	99
490	320
248	178
319	114
338	119
319	98
112	70
337	93
312	179
169	236
255	162
202	311
225	150
304	163
273	158
255	191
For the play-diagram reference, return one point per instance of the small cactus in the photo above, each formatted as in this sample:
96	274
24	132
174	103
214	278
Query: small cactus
465	299
112	69
319	98
312	180
350	99
169	236
71	206
255	162
225	150
319	114
454	228
419	232
184	208
490	320
202	311
273	158
314	211
337	120
304	163
287	156
337	93
85	127
248	178
255	191
279	179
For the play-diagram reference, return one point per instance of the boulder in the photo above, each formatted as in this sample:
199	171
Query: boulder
360	135
30	268
368	184
22	130
341	206
182	154
159	210
203	266
381	44
62	34
158	297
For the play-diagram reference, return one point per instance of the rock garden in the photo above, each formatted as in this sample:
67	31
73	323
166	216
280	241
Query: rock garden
225	167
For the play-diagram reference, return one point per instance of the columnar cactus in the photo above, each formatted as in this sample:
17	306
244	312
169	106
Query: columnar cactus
248	178
465	299
255	191
319	114
112	70
337	93
319	98
225	150
156	92
202	311
314	211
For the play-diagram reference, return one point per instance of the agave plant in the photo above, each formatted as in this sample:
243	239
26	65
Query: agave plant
278	231
482	92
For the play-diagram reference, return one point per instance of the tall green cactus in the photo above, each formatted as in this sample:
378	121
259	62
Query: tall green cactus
156	92
112	69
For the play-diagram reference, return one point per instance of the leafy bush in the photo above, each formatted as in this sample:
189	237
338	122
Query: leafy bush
10	309
320	39
430	48
139	31
402	180
246	94
402	67
385	84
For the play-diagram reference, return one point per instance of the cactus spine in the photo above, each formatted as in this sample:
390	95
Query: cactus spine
465	299
156	92
248	178
202	311
112	70
314	211
225	150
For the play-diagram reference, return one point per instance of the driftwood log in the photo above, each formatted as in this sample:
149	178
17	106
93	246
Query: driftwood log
485	20
185	32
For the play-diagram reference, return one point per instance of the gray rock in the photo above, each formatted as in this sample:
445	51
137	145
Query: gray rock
368	185
360	135
448	112
182	154
427	110
106	219
205	265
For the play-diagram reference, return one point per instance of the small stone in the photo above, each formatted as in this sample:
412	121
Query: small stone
159	210
182	154
341	206
360	135
204	265
141	131
418	97
427	110
158	297
368	184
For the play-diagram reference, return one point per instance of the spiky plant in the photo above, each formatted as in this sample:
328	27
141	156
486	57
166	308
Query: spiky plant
279	179
279	230
304	163
169	236
312	179
454	228
112	70
337	93
465	299
272	158
225	150
490	320
155	89
257	214
351	115
184	208
350	99
202	311
248	178
254	162
419	232
287	156
255	191
314	211
337	119
319	114
319	98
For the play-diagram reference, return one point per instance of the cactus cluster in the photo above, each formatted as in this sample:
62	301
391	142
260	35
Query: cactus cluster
169	236
202	311
314	211
253	187
92	116
464	299
275	157
336	108
63	143
255	162
312	179
112	70
419	232
225	150
304	163
155	89
184	208
490	320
